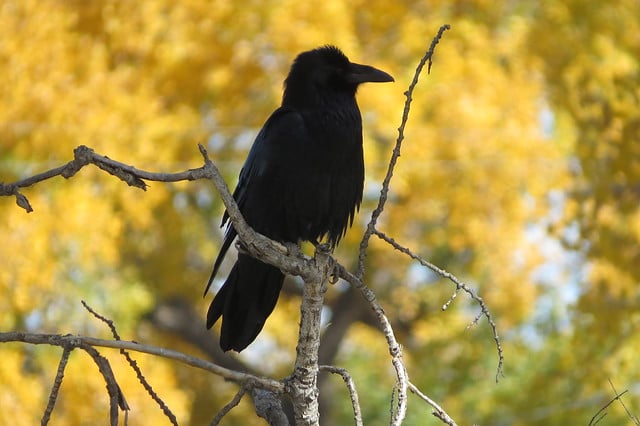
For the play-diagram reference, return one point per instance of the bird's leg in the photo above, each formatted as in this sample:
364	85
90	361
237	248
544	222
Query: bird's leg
327	248
334	276
324	247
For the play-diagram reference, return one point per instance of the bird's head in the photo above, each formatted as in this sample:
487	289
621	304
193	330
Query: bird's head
327	70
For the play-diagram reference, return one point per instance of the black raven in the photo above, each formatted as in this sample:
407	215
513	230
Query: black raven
302	181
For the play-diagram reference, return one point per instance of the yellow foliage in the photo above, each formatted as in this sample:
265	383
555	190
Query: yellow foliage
26	389
143	82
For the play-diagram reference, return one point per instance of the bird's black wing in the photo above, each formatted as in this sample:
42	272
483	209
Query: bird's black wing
274	183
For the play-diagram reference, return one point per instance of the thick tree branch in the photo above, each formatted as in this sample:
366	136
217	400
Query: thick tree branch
302	386
269	407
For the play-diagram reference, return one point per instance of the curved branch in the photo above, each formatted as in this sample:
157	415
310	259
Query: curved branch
116	398
395	350
269	407
351	387
484	310
229	406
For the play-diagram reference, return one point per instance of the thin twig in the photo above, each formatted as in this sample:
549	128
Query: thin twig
633	418
459	285
600	414
228	407
116	398
396	150
395	350
438	411
105	320
351	387
134	365
55	389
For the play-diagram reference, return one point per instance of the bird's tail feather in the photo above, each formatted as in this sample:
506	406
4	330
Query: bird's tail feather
245	301
230	235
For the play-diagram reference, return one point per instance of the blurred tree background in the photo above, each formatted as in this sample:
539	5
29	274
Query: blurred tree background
520	174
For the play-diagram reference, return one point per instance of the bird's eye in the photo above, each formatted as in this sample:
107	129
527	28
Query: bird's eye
338	72
335	76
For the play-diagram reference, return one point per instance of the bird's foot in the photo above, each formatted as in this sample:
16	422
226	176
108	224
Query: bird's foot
325	248
334	276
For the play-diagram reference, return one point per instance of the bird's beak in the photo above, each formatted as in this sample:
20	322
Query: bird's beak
365	73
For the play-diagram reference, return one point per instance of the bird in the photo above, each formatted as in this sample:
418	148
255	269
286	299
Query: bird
302	181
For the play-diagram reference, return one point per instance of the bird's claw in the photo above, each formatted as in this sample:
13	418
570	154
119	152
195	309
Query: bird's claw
324	248
334	276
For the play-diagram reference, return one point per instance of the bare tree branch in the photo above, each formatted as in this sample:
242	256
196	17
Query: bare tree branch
258	245
269	407
459	285
134	365
601	414
55	389
116	398
395	350
351	387
364	243
438	411
228	407
631	416
82	341
302	386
